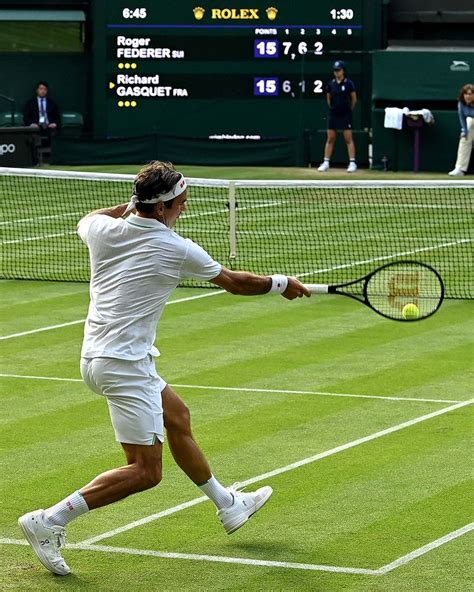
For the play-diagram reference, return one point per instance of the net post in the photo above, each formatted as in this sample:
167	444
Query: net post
232	222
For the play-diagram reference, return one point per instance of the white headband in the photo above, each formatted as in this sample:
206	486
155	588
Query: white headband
178	189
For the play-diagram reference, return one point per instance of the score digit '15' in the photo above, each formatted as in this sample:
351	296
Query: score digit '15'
270	87
270	48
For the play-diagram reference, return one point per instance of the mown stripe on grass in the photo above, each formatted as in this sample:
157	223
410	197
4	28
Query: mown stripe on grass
288	467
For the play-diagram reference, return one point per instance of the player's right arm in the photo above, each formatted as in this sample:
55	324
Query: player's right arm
84	225
113	212
245	283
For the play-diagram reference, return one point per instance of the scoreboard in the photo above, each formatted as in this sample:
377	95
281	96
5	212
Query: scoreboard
243	69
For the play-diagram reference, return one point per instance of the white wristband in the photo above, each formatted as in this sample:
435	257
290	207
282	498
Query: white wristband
279	283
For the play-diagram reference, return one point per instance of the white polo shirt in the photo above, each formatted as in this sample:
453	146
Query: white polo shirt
135	265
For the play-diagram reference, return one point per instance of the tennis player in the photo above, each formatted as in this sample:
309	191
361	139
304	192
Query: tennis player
136	263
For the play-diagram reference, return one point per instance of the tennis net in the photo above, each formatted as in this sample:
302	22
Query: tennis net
328	232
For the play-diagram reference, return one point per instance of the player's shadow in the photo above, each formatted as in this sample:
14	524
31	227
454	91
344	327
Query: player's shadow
273	547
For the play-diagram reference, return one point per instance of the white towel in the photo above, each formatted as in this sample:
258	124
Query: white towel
425	113
394	117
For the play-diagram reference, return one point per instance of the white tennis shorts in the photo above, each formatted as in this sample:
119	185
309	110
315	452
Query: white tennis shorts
133	392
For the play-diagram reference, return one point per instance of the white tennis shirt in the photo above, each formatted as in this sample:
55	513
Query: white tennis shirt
135	265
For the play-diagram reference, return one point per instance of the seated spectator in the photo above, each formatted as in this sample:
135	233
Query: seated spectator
41	111
466	119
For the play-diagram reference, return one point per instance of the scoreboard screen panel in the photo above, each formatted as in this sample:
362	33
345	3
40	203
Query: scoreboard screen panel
203	69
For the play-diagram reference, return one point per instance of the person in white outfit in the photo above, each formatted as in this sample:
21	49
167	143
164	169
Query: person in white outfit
137	260
466	119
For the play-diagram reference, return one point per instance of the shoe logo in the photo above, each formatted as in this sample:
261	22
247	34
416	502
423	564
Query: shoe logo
45	542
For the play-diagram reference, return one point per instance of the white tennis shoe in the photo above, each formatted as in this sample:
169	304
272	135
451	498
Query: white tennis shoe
352	168
456	172
245	505
46	541
322	168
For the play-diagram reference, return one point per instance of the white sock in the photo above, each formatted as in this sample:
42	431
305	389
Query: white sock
327	159
217	493
66	510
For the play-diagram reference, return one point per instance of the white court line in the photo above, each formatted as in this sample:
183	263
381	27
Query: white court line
223	559
54	378
280	470
12	335
212	558
267	204
426	548
321	393
385	257
187	299
265	563
52	217
252	390
36	238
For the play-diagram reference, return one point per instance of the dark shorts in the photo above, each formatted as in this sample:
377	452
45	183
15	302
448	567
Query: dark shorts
340	121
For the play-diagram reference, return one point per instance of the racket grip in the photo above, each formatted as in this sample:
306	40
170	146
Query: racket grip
318	288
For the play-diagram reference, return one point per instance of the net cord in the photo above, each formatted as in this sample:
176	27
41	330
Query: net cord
196	181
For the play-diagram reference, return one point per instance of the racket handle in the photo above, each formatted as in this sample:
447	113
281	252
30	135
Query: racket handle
318	288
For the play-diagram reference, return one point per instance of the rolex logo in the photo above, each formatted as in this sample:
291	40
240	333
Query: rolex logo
198	12
272	13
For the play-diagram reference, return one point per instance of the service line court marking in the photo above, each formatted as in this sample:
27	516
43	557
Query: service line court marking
79	321
266	563
290	467
300	275
252	390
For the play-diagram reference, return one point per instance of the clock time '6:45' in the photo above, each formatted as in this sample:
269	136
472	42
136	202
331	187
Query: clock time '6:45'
131	13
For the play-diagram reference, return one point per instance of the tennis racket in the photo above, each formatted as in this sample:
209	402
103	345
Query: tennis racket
402	291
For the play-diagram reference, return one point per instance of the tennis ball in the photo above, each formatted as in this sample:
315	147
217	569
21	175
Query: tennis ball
410	312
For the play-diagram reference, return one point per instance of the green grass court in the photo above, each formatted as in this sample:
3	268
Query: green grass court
362	426
333	522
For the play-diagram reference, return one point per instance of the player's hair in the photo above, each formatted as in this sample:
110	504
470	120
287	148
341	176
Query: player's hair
154	178
464	89
41	83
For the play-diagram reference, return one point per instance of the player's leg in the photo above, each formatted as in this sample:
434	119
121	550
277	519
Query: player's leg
45	529
142	472
133	397
185	451
464	150
133	392
352	168
234	507
328	149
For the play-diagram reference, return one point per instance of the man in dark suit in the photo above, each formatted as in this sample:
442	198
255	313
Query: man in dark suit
41	111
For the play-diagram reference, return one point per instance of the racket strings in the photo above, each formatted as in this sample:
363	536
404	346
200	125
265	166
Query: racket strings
392	288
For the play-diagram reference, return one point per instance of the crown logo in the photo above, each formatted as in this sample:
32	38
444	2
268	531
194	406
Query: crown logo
272	13
198	12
